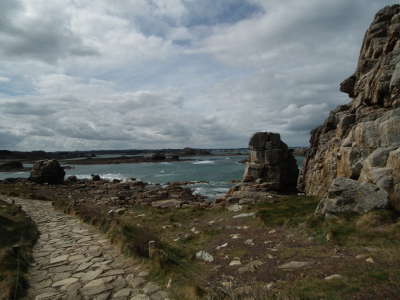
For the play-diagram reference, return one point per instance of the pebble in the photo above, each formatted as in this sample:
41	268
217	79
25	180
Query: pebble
333	277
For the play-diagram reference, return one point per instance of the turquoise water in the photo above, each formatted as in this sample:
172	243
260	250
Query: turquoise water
217	171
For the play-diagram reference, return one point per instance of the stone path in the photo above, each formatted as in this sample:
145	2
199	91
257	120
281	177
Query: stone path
73	261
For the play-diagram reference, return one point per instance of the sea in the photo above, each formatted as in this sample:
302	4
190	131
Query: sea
215	174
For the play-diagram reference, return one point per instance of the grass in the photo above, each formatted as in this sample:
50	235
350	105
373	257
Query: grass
171	260
300	235
17	237
288	211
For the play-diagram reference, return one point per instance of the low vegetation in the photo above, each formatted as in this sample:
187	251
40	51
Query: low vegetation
17	237
348	257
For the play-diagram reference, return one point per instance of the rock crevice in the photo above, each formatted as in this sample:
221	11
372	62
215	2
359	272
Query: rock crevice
361	140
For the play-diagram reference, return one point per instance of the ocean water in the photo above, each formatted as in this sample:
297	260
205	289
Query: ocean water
217	171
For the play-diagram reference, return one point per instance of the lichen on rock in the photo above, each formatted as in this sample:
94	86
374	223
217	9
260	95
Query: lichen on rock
361	140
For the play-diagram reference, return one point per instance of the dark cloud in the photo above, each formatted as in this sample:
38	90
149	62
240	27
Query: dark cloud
46	37
23	108
8	140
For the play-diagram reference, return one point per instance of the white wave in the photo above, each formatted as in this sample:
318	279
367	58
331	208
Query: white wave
111	176
107	176
204	162
83	176
164	174
220	190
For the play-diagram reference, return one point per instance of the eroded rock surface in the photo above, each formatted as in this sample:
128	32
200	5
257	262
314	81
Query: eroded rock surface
347	195
74	261
360	140
271	162
47	171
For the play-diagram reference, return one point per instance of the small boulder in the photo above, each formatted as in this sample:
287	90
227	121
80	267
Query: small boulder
72	179
204	256
96	177
47	171
295	265
347	195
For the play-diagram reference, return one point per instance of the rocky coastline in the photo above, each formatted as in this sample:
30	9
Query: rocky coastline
327	231
360	140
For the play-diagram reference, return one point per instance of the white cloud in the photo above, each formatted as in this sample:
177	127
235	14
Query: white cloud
4	79
79	74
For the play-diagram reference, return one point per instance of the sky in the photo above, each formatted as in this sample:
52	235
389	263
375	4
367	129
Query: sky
146	74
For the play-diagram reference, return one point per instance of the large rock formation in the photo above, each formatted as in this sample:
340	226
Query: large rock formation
348	195
47	171
271	163
360	140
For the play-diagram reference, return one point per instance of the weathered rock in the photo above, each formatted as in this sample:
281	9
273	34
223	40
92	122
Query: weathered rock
334	277
271	162
166	203
47	171
250	267
204	256
347	195
359	140
295	265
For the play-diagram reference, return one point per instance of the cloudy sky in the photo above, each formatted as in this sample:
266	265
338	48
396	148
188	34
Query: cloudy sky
84	74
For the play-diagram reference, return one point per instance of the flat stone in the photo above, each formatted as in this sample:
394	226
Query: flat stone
89	276
295	265
235	262
250	267
140	297
95	287
151	288
136	282
104	296
333	277
84	266
244	215
119	283
113	273
47	296
143	274
65	282
123	293
43	284
76	257
160	295
61	276
58	259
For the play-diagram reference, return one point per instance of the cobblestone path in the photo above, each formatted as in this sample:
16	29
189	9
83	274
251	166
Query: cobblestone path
73	261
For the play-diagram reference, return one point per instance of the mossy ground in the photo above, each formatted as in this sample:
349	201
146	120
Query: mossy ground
17	237
363	250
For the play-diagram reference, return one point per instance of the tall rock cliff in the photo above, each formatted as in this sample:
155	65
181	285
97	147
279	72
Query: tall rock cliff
360	140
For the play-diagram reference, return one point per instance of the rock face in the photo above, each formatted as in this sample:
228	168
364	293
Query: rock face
47	171
271	162
348	195
360	140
